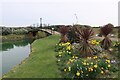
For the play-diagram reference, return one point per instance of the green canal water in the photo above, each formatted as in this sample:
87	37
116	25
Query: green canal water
12	53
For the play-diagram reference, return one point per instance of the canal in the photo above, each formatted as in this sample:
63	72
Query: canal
12	53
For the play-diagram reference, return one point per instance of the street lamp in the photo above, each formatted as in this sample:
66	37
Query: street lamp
76	18
41	22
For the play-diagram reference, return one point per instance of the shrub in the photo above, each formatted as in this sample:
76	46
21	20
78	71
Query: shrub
6	31
73	35
20	31
105	30
64	30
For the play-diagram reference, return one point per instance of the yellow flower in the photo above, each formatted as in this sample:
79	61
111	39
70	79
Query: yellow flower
58	60
63	51
60	55
69	52
60	44
91	63
68	62
97	42
73	56
95	57
102	68
108	61
76	57
102	72
68	43
69	68
65	70
88	57
78	73
84	63
91	69
63	44
111	49
95	66
93	41
68	47
109	65
87	63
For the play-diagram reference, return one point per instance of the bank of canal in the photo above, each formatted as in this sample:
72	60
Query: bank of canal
13	53
41	63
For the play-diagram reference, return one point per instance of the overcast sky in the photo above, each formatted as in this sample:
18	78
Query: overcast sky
28	12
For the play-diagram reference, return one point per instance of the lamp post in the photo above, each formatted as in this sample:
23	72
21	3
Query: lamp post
41	22
76	18
53	30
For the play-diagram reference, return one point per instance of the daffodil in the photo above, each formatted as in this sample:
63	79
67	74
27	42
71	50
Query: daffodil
109	65
69	52
68	43
95	66
58	60
60	44
68	47
87	63
102	72
97	42
108	61
60	55
95	57
69	68
91	63
88	57
65	70
70	60
73	56
84	63
78	73
102	68
76	57
91	69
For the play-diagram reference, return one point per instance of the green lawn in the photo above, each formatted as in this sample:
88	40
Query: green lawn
41	63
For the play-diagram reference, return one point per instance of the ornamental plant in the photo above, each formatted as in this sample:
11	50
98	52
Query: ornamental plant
92	67
64	30
64	52
85	34
105	30
73	35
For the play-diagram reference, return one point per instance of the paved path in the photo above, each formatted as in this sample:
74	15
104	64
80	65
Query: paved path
55	32
50	31
113	39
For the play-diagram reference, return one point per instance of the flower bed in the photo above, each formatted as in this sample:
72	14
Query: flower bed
88	59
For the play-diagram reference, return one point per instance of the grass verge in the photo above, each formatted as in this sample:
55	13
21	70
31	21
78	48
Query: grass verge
41	63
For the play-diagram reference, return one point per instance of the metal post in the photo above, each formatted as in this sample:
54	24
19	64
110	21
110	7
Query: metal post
41	22
76	18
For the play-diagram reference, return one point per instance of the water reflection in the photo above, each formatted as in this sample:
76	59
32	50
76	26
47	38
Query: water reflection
13	53
9	45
